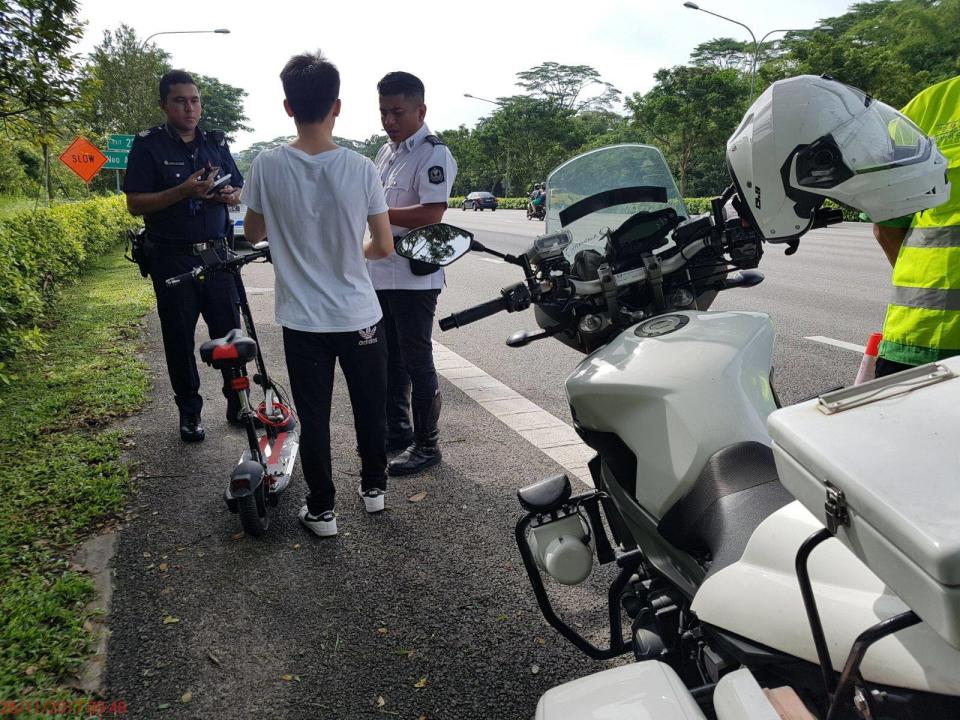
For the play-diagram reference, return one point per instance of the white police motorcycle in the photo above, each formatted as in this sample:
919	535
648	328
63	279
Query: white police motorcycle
726	580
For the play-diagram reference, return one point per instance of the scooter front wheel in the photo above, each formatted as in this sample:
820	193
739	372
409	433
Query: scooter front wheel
253	513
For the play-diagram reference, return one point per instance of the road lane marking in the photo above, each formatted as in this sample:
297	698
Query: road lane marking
492	260
546	432
852	347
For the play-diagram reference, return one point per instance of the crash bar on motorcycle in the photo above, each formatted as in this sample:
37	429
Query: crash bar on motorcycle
867	638
628	562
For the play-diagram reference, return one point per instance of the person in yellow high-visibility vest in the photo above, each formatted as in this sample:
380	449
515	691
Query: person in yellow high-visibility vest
923	318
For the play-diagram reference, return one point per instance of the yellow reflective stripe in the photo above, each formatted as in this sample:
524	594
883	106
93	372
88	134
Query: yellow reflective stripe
927	268
922	328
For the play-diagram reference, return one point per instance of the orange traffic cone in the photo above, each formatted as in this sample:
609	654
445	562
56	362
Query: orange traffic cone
868	365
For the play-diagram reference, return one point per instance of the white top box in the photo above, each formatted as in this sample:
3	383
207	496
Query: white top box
891	447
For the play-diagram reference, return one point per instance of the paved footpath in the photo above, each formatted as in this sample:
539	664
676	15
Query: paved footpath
421	612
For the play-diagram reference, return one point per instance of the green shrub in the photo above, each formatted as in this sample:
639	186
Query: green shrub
40	251
695	206
699	205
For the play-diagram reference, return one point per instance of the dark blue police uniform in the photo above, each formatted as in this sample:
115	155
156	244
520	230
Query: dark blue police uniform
159	160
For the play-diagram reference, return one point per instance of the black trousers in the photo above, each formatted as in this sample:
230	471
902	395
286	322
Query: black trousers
179	308
310	362
889	367
408	317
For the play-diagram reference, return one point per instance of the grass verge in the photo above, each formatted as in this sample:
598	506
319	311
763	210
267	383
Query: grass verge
62	477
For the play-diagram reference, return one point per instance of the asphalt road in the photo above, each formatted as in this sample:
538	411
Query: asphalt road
423	611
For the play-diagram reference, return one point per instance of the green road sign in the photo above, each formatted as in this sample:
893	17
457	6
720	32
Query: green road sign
116	159
118	148
120	142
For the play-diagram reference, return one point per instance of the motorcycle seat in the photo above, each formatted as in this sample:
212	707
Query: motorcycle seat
545	496
232	349
737	490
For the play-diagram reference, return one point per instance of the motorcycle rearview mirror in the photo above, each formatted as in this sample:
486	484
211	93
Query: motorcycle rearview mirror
743	278
439	244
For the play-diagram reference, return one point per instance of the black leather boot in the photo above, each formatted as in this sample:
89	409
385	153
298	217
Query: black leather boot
425	451
399	430
190	428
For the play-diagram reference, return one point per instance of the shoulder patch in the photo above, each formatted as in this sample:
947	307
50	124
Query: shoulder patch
149	131
435	175
434	140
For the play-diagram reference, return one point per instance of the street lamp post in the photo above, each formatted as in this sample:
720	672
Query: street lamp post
756	43
219	31
499	104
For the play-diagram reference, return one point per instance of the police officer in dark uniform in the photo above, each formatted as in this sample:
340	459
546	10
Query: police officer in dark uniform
170	181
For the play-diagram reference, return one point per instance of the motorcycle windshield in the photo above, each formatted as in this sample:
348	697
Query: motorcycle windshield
598	171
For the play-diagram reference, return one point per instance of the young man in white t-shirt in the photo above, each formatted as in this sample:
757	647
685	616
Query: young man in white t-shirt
314	199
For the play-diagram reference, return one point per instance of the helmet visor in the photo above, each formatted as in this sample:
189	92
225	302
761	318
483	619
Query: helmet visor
880	138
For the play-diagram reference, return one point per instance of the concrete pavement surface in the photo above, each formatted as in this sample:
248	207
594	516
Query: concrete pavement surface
424	610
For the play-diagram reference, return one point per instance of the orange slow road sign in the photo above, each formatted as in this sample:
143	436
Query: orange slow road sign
84	158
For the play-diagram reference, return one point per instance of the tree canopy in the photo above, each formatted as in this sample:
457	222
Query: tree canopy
36	65
564	86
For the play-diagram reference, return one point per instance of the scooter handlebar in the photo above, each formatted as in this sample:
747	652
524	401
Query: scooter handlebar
177	279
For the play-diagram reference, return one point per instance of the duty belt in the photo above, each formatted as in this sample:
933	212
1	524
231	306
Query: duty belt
185	249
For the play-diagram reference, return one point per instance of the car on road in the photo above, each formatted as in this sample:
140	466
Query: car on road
479	201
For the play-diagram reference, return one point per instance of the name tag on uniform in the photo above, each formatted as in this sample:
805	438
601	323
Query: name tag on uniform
174	162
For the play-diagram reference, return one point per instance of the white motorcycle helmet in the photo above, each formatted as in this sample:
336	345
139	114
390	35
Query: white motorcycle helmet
809	138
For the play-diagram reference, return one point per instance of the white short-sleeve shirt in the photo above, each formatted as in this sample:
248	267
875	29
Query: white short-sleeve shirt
316	208
413	172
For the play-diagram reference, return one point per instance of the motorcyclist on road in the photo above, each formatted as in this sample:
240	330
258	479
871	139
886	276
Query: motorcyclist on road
536	201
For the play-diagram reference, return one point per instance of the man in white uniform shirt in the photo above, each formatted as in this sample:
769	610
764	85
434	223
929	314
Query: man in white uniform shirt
417	172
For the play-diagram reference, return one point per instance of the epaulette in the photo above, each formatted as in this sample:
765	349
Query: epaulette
216	136
434	140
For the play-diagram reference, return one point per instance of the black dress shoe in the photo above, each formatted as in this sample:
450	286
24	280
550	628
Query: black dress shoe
414	459
191	430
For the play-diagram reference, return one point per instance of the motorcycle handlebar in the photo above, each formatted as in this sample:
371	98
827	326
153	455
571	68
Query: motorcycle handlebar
477	312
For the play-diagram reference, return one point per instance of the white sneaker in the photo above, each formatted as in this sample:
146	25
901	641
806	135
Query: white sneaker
323	525
373	500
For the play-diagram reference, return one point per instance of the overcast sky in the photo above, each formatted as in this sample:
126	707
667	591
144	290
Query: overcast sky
455	48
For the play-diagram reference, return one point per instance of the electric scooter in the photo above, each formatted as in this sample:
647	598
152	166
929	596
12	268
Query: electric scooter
266	465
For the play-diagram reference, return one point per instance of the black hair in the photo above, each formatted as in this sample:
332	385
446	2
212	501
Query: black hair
401	83
174	77
311	84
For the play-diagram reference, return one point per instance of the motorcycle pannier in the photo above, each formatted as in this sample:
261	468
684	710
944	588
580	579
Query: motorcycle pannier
879	464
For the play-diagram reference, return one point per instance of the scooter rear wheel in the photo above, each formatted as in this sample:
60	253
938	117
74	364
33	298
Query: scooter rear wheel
253	513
